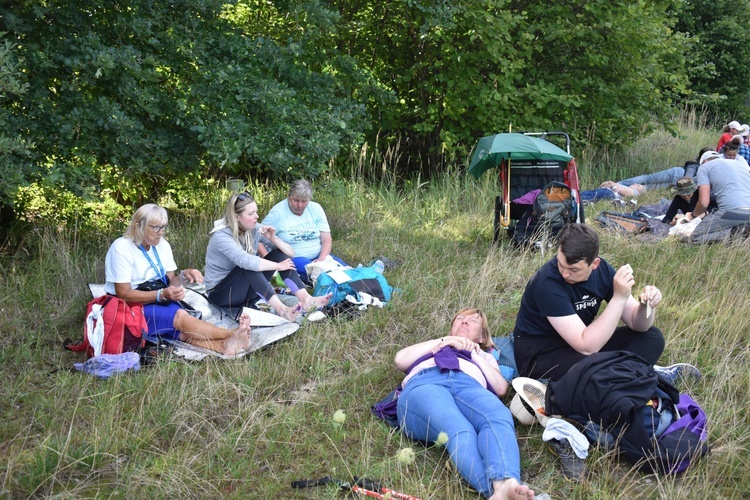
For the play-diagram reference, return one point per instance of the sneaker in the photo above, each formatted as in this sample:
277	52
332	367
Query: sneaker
678	372
572	466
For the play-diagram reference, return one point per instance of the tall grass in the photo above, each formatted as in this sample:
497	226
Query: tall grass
248	428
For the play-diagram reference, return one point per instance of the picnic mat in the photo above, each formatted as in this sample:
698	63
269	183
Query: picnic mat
267	328
657	230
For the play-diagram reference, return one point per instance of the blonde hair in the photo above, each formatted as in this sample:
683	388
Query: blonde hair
235	206
147	215
486	342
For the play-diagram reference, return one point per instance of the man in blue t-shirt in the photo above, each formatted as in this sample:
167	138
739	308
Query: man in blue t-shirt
557	323
303	224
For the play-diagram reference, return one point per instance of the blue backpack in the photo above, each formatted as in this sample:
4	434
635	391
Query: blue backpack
363	279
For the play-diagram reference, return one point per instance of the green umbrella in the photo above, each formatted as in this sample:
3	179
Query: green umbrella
491	150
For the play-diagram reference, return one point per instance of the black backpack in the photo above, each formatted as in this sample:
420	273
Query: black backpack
611	389
553	208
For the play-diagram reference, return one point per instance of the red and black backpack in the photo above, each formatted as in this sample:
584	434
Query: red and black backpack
124	327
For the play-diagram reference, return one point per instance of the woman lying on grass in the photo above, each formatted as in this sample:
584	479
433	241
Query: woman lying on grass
452	386
140	268
239	267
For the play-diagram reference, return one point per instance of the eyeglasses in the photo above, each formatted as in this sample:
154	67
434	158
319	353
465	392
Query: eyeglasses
159	229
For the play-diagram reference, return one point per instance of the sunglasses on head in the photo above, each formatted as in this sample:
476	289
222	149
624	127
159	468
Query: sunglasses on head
243	197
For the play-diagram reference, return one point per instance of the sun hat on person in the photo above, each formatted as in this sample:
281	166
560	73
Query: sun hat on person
684	186
745	130
709	155
734	124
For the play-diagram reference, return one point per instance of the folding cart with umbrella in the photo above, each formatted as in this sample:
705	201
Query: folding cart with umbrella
526	161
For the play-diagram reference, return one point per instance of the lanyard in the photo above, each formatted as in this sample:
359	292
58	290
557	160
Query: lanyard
159	270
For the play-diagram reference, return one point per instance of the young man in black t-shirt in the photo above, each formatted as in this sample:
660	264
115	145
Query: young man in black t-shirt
557	323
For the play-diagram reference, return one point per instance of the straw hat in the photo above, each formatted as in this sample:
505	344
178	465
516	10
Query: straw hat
523	413
532	392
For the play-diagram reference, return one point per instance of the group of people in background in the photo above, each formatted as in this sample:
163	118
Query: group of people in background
714	187
718	191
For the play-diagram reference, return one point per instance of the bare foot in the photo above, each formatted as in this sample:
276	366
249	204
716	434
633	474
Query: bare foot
289	313
629	191
510	489
240	338
314	303
245	330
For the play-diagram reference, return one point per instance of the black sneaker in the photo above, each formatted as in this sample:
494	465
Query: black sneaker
572	467
150	355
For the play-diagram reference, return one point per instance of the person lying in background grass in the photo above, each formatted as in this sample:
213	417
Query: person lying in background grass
140	268
633	187
451	396
636	186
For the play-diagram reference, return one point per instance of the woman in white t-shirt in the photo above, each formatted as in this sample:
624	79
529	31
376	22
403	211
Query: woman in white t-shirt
140	268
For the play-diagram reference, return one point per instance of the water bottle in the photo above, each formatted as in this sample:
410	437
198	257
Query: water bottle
379	266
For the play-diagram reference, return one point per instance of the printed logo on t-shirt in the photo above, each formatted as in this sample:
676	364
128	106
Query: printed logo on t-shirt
586	302
303	235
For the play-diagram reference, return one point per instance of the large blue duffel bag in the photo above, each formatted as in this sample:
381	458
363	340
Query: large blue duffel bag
362	279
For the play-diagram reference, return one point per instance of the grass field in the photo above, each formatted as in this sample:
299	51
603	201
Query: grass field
248	428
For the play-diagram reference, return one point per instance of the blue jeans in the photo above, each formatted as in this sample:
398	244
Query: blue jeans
481	436
657	180
592	195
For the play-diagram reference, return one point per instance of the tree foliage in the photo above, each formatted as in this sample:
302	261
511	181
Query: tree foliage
14	164
719	74
604	71
135	93
123	97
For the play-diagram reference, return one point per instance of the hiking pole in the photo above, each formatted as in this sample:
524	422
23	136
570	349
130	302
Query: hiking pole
362	491
323	481
361	486
370	485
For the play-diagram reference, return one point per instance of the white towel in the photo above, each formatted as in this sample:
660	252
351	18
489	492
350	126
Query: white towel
559	429
95	328
313	269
